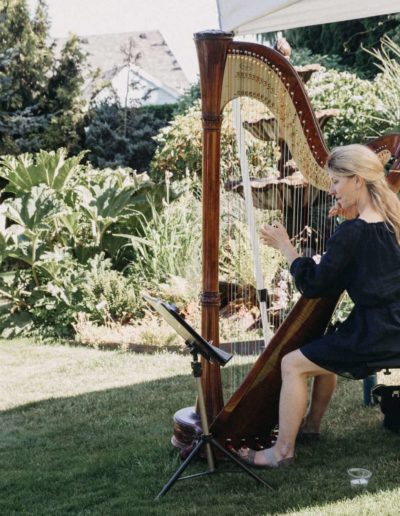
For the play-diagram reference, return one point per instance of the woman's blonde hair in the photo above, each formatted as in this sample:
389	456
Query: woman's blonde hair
359	160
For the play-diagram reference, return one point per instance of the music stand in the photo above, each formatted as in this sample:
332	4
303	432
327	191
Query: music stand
197	345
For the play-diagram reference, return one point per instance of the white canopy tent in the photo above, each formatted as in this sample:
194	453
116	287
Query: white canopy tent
257	16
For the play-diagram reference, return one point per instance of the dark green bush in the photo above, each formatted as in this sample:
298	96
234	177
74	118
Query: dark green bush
123	137
346	40
304	56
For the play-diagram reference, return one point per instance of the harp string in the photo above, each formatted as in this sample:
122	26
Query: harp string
290	195
253	233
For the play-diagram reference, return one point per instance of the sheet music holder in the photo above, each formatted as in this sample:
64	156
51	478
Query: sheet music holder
188	333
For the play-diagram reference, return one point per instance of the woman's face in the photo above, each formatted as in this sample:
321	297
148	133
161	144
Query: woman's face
344	189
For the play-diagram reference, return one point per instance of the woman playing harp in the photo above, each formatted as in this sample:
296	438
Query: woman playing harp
362	257
245	408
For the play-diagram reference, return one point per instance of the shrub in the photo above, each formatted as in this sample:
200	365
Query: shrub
356	99
123	137
388	84
179	149
60	216
347	39
303	56
108	295
190	97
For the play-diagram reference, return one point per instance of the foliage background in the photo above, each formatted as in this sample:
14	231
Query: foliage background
345	41
103	200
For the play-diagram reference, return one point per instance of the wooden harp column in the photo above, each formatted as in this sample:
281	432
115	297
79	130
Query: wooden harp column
212	60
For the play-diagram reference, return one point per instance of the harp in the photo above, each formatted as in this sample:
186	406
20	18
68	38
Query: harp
229	70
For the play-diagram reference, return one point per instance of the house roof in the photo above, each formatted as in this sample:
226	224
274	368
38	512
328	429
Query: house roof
155	59
154	56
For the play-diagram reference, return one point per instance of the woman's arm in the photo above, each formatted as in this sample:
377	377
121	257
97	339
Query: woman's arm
327	277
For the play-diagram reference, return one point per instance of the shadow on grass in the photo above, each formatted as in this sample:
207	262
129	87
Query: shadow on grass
108	452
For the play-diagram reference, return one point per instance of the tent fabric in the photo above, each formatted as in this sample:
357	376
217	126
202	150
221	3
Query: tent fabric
257	16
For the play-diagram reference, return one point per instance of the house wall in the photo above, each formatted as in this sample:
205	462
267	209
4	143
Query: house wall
141	91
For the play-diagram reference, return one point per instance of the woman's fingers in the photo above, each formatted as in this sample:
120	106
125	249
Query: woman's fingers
274	235
265	233
279	224
336	209
268	230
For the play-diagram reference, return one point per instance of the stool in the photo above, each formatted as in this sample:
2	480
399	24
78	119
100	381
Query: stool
371	381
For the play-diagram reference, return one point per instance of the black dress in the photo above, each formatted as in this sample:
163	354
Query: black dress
364	259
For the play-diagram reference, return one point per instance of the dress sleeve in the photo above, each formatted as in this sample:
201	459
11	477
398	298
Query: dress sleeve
328	277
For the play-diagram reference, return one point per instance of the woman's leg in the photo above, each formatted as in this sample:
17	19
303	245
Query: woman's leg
296	368
322	391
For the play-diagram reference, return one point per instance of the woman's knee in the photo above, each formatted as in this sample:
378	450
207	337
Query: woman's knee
291	364
296	363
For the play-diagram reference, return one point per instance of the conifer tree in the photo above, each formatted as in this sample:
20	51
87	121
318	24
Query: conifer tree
40	103
64	97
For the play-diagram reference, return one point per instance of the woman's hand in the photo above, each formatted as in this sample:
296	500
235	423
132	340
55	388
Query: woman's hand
347	213
276	236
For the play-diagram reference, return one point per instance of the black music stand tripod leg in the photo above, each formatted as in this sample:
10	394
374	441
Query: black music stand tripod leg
207	440
182	468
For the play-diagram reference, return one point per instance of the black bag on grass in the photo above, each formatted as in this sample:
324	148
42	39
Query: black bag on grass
388	397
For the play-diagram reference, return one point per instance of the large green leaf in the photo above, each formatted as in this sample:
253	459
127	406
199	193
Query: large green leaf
34	210
15	324
70	221
15	244
56	168
104	205
50	168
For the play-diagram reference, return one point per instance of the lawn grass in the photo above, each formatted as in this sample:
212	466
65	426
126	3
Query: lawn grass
85	431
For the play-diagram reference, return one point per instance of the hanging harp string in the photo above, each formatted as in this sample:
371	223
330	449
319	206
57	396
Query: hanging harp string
244	165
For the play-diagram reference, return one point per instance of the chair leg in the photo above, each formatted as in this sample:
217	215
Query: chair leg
368	384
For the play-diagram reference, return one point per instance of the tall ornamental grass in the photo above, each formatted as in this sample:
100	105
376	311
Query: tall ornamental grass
388	82
170	244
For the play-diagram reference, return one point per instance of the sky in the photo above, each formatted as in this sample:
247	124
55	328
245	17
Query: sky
177	20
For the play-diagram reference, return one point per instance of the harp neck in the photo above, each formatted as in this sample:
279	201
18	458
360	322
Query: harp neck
231	69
